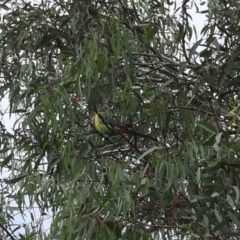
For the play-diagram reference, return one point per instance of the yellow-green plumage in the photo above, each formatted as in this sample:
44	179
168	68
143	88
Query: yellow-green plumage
101	127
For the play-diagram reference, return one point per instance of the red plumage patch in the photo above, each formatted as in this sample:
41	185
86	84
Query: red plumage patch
123	131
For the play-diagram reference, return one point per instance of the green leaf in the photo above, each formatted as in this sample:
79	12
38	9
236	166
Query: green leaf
235	220
214	195
143	181
16	180
150	150
194	48
220	225
236	189
230	201
218	138
7	159
207	126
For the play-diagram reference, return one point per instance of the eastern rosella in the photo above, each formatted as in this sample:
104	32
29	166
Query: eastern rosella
108	127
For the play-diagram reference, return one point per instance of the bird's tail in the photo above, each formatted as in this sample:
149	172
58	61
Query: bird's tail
125	130
144	136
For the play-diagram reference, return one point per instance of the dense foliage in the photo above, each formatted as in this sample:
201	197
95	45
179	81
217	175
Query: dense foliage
142	63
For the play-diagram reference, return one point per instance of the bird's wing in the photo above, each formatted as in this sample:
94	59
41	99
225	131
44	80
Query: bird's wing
109	121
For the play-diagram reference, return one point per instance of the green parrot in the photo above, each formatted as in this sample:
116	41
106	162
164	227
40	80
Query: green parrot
109	127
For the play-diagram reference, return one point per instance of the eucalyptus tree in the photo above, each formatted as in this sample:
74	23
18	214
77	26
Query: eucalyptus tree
142	63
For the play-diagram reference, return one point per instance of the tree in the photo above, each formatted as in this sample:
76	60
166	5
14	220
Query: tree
137	62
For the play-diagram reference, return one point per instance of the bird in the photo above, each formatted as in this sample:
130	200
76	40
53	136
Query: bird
108	127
